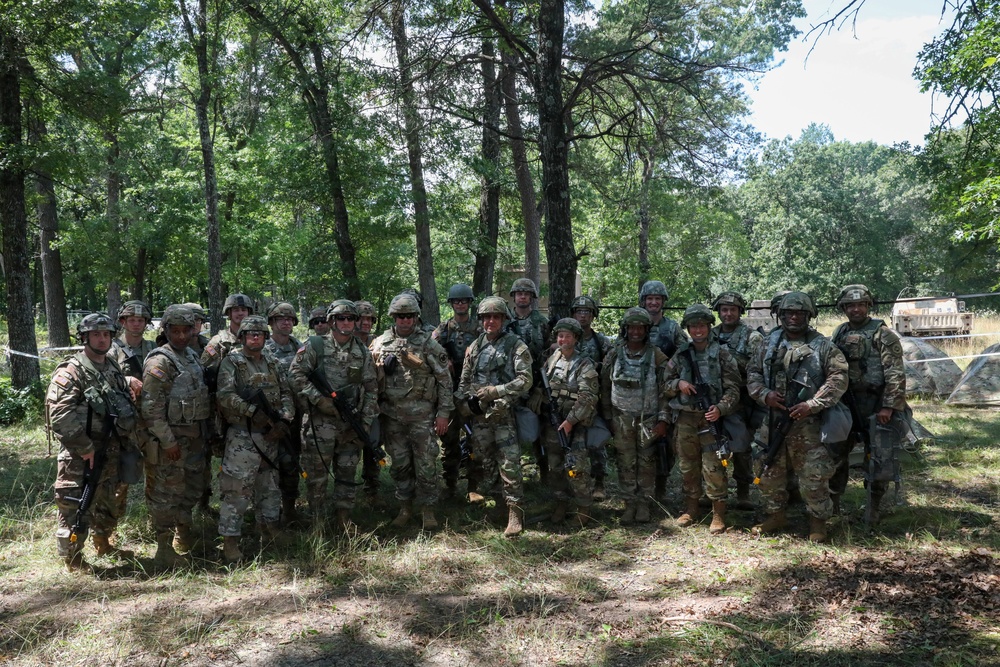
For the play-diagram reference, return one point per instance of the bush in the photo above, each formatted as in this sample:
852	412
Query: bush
17	405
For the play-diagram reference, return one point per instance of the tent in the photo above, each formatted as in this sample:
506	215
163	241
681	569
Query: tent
928	378
979	386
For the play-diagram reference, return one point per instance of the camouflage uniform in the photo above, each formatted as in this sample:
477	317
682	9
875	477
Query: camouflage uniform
130	361
667	335
823	367
594	347
455	337
574	386
330	446
245	471
79	399
288	466
417	391
742	343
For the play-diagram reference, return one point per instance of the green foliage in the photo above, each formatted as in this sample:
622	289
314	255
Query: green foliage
17	405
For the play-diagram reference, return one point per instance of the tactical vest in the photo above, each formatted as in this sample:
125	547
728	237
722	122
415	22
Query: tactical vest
592	348
344	368
104	397
864	362
710	367
269	383
634	389
662	335
188	401
564	379
783	362
456	338
493	364
284	354
737	341
406	383
529	330
129	358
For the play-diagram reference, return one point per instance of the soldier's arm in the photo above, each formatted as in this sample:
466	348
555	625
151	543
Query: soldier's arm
660	361
680	337
730	383
605	376
298	374
586	402
68	412
158	374
835	367
891	353
465	379
756	387
672	378
438	360
521	383
369	383
376	351
233	407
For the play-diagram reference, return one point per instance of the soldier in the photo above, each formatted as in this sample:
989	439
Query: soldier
533	329
175	407
666	335
496	375
797	373
876	382
370	469
367	319
317	321
592	345
251	384
631	396
696	445
90	411
199	341
331	445
574	387
415	400
282	346
742	342
455	335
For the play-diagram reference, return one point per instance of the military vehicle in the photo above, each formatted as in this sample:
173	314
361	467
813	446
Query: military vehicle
930	315
758	316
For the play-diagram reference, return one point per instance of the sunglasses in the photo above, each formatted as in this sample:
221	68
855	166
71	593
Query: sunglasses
344	318
407	316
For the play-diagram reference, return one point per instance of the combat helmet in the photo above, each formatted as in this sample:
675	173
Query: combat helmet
524	285
177	315
776	300
699	312
282	309
638	316
199	312
460	291
94	322
241	300
253	323
853	294
416	295
317	315
404	304
797	301
584	302
493	304
652	288
366	309
730	299
568	324
342	307
136	308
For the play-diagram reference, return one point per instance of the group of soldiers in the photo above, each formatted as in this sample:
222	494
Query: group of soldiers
466	394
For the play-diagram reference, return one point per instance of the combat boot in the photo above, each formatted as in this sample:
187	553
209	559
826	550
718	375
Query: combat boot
642	511
772	524
692	512
559	514
76	563
873	512
474	496
344	520
405	514
515	521
274	535
105	548
817	530
231	549
835	497
165	556
289	516
628	516
743	501
183	540
718	517
583	515
598	494
430	521
660	489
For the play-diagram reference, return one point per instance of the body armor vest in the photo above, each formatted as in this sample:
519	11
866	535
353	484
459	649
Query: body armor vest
864	362
416	383
634	388
564	379
455	338
663	334
784	361
493	362
188	401
105	394
249	376
710	368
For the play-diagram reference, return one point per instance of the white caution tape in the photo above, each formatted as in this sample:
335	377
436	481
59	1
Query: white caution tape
964	356
952	336
7	351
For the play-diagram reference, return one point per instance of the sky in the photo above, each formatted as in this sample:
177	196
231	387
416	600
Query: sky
859	82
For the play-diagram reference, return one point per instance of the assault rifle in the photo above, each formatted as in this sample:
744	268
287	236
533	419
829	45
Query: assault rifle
779	428
372	450
555	419
92	475
702	396
859	429
256	398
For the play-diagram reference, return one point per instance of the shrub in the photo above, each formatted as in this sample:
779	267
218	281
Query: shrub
17	405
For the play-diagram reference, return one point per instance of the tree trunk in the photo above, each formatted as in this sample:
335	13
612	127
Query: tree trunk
14	226
113	191
559	248
489	188
647	176
411	122
522	172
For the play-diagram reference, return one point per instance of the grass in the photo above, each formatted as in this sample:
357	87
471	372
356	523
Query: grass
923	590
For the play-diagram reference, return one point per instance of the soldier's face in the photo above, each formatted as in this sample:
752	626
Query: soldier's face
492	323
99	342
343	327
653	303
585	317
365	324
405	324
134	324
253	341
729	314
237	313
635	333
196	329
321	327
856	311
178	335
523	299
566	340
282	325
699	331
460	306
794	321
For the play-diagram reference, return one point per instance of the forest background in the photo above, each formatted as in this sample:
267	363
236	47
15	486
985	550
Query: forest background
306	150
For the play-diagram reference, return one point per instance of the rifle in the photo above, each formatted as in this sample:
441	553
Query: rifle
779	428
702	394
92	476
257	398
372	450
555	419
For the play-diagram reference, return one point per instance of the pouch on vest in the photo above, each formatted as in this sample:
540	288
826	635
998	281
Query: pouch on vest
737	432
835	424
598	433
527	424
884	451
129	464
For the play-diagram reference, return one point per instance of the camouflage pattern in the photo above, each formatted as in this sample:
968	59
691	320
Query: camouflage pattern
817	361
534	331
245	472
218	348
631	394
667	335
742	343
283	354
80	389
504	363
130	358
411	397
979	386
455	337
695	456
594	346
329	445
928	378
575	387
175	407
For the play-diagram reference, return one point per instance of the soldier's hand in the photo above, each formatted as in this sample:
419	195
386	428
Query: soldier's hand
487	394
687	388
326	406
441	425
775	400
134	387
278	432
88	459
714	414
884	416
173	454
566	427
535	401
799	411
660	430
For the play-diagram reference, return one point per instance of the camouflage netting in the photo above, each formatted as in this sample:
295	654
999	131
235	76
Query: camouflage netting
928	378
980	384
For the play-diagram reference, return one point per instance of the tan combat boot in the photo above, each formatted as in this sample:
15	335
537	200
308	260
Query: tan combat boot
105	548
76	563
642	511
598	494
183	540
817	530
288	514
231	549
165	556
743	501
628	516
275	535
718	517
559	513
583	515
772	524
344	520
430	521
692	512
405	514
515	521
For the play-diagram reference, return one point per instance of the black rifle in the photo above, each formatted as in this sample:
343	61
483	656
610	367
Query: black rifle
859	429
779	428
555	419
91	478
702	397
256	398
372	450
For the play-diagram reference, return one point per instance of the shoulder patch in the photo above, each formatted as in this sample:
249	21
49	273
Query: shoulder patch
63	379
157	372
301	350
210	350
